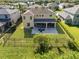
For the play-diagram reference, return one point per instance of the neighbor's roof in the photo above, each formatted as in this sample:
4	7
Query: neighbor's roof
21	3
6	6
52	4
72	10
7	11
65	15
2	23
33	6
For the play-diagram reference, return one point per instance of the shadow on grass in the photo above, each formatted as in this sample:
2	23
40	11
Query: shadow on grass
73	25
27	33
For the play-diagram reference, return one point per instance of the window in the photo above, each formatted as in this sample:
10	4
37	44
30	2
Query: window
50	8
77	15
28	24
67	20
50	15
31	17
6	16
75	22
24	17
42	15
37	15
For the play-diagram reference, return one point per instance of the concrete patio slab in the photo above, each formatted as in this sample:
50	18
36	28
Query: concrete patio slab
46	31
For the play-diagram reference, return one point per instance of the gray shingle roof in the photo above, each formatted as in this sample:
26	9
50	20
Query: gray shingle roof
72	10
64	15
39	10
7	11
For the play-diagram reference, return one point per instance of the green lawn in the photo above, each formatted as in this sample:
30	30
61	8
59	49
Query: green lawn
19	33
73	30
16	53
19	47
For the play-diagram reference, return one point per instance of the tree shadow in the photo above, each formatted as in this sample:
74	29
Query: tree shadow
27	33
72	25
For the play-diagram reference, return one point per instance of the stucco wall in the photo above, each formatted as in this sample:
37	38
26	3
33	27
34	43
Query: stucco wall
28	20
36	14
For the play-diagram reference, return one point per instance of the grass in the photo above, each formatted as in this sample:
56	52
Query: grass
73	30
19	33
16	53
19	47
27	53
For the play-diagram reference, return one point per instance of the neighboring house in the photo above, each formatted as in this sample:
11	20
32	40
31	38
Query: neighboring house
33	6
6	6
8	17
65	5
52	6
39	17
30	3
16	5
71	15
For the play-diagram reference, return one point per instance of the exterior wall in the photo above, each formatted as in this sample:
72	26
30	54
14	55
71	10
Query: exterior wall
37	14
31	21
68	21
28	20
3	16
76	20
52	6
15	16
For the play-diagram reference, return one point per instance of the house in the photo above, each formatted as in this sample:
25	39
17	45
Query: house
6	6
8	17
16	5
52	6
38	17
30	3
71	15
65	5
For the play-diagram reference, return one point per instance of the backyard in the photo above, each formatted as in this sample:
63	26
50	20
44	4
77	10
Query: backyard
21	46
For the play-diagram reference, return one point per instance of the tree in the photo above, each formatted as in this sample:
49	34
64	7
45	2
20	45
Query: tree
42	43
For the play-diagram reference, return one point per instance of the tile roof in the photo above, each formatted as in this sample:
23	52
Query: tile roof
7	11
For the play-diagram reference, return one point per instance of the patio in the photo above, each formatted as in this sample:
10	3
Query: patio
45	31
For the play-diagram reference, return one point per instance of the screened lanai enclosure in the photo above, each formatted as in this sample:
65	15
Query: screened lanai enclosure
44	26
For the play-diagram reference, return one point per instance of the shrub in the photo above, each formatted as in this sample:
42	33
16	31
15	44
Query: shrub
42	43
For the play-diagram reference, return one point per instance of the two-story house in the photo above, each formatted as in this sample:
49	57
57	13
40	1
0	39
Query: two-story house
8	17
39	17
